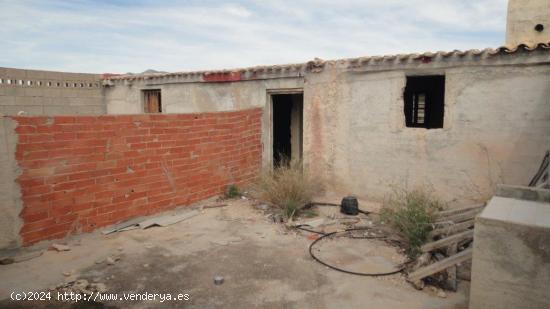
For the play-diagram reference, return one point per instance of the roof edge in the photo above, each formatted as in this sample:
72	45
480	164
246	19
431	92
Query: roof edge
317	65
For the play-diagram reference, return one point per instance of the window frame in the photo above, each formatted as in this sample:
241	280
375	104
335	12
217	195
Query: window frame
432	87
146	95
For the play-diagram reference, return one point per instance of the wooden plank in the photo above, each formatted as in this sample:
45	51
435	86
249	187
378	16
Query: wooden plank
452	212
469	215
447	241
451	271
441	265
452	229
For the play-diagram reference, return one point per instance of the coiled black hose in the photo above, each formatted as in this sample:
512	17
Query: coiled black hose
325	235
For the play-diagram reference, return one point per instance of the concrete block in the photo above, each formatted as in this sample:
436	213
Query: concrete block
58	110
79	101
88	110
99	109
15	73
7	100
37	100
14	91
20	101
55	76
34	91
28	109
35	74
52	92
511	259
69	92
523	193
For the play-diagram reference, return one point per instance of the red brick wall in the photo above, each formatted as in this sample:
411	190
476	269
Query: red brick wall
84	172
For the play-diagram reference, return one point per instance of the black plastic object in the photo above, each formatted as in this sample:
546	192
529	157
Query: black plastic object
349	206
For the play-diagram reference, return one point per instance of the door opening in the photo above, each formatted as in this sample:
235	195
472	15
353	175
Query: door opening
287	127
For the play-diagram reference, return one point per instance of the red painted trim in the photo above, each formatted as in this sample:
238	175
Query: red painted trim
222	77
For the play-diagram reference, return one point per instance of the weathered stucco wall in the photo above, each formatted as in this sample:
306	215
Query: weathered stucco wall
496	130
196	96
496	126
50	93
10	192
523	16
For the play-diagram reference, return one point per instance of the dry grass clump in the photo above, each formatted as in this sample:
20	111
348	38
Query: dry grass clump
288	187
232	191
411	212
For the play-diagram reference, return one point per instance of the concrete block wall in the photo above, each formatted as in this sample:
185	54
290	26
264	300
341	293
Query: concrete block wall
50	93
79	173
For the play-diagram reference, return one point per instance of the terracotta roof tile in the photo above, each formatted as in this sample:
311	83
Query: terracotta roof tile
317	65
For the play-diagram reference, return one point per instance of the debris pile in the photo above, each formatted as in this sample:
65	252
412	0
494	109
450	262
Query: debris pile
451	245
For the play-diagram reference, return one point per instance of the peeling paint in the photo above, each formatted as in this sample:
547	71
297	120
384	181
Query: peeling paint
222	77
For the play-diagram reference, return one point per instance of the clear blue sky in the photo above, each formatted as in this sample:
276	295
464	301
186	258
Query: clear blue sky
121	36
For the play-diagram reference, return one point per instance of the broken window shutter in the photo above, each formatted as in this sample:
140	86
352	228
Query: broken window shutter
152	101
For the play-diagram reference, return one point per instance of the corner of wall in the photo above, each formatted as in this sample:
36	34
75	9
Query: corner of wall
11	205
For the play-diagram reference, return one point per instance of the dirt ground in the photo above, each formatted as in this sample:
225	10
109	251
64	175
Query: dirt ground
263	264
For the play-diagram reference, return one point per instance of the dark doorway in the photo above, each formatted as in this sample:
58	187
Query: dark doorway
287	127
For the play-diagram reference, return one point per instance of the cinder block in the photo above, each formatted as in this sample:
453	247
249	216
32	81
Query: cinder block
15	73
20	101
34	92
14	91
53	92
35	74
28	109
98	109
7	100
69	92
58	110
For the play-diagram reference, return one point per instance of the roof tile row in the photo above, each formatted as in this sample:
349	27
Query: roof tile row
317	64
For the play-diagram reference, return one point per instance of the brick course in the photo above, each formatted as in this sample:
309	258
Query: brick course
83	172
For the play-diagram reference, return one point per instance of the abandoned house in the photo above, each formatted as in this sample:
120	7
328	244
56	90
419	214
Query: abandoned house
84	151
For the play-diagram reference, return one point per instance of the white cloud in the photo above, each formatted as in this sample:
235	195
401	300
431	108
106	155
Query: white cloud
104	37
